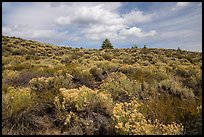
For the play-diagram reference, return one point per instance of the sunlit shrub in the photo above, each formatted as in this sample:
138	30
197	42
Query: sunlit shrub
184	72
23	66
116	60
10	74
83	99
16	52
97	73
126	69
176	88
83	111
95	58
16	101
167	109
12	61
108	66
167	82
120	87
66	59
17	109
83	76
129	121
146	63
52	83
41	84
127	59
63	80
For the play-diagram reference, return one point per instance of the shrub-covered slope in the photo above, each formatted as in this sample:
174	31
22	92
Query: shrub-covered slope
48	89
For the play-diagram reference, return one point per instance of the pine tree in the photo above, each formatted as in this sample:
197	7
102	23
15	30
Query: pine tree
107	44
179	49
145	46
134	46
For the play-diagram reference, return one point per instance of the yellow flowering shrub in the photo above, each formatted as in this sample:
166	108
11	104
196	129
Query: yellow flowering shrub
52	83
42	83
129	121
10	74
83	99
43	92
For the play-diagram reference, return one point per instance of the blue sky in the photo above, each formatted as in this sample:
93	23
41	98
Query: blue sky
87	24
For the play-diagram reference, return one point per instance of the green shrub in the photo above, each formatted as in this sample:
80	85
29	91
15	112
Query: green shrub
120	87
87	83
176	88
17	100
129	121
41	84
17	107
84	77
167	109
23	66
97	73
107	66
66	59
63	81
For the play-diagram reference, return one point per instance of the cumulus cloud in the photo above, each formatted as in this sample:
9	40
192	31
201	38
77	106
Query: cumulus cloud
89	16
90	22
94	21
137	32
43	35
137	17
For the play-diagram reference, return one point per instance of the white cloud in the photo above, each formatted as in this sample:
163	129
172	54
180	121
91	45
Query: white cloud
27	34
96	14
180	5
137	17
6	31
71	21
97	32
43	35
110	6
63	20
100	20
137	32
90	22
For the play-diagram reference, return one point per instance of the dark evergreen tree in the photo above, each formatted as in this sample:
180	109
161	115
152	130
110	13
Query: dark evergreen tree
107	44
134	46
179	49
145	46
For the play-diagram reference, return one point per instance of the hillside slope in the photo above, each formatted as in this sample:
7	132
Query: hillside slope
48	89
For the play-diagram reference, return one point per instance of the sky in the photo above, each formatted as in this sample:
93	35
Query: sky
86	24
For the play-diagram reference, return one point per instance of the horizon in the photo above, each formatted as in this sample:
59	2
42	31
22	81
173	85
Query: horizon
167	25
70	46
